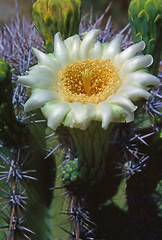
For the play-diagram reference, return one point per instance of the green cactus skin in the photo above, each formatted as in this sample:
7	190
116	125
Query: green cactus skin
145	17
5	96
51	16
158	196
91	148
7	115
8	122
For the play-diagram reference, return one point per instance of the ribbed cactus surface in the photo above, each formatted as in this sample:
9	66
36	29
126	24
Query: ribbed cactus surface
5	88
51	16
145	17
7	116
8	122
89	150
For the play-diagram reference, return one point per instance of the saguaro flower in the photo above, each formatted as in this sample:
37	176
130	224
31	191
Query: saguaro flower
84	82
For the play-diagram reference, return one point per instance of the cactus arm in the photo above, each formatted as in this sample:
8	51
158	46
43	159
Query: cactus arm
20	152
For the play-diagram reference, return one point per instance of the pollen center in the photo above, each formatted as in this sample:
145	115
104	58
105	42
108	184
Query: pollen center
89	81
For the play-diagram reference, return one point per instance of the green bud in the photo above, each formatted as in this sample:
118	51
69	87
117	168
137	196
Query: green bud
52	16
70	172
145	17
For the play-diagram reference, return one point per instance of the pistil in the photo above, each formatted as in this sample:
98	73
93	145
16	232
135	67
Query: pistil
86	78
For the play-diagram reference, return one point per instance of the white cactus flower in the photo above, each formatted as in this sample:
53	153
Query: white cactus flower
86	80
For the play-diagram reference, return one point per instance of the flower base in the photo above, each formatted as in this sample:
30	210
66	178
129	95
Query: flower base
89	154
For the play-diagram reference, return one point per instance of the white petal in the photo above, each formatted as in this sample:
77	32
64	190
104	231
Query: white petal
142	79
121	114
133	92
41	70
75	51
45	60
69	43
60	50
96	51
79	112
128	53
113	48
136	63
36	81
87	43
69	120
105	114
57	114
80	115
83	113
38	98
122	101
91	111
44	71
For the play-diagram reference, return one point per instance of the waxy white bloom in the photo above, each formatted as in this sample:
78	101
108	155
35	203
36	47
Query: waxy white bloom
86	80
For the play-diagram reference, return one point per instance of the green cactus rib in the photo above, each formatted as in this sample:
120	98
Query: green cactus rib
51	16
5	84
10	128
145	17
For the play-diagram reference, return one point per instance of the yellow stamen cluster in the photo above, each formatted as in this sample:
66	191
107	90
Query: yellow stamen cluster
89	81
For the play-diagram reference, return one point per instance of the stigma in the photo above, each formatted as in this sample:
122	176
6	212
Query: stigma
86	78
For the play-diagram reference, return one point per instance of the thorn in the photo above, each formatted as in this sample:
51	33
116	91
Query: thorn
53	151
71	234
53	188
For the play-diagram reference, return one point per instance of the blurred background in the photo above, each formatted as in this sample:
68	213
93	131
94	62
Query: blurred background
118	11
